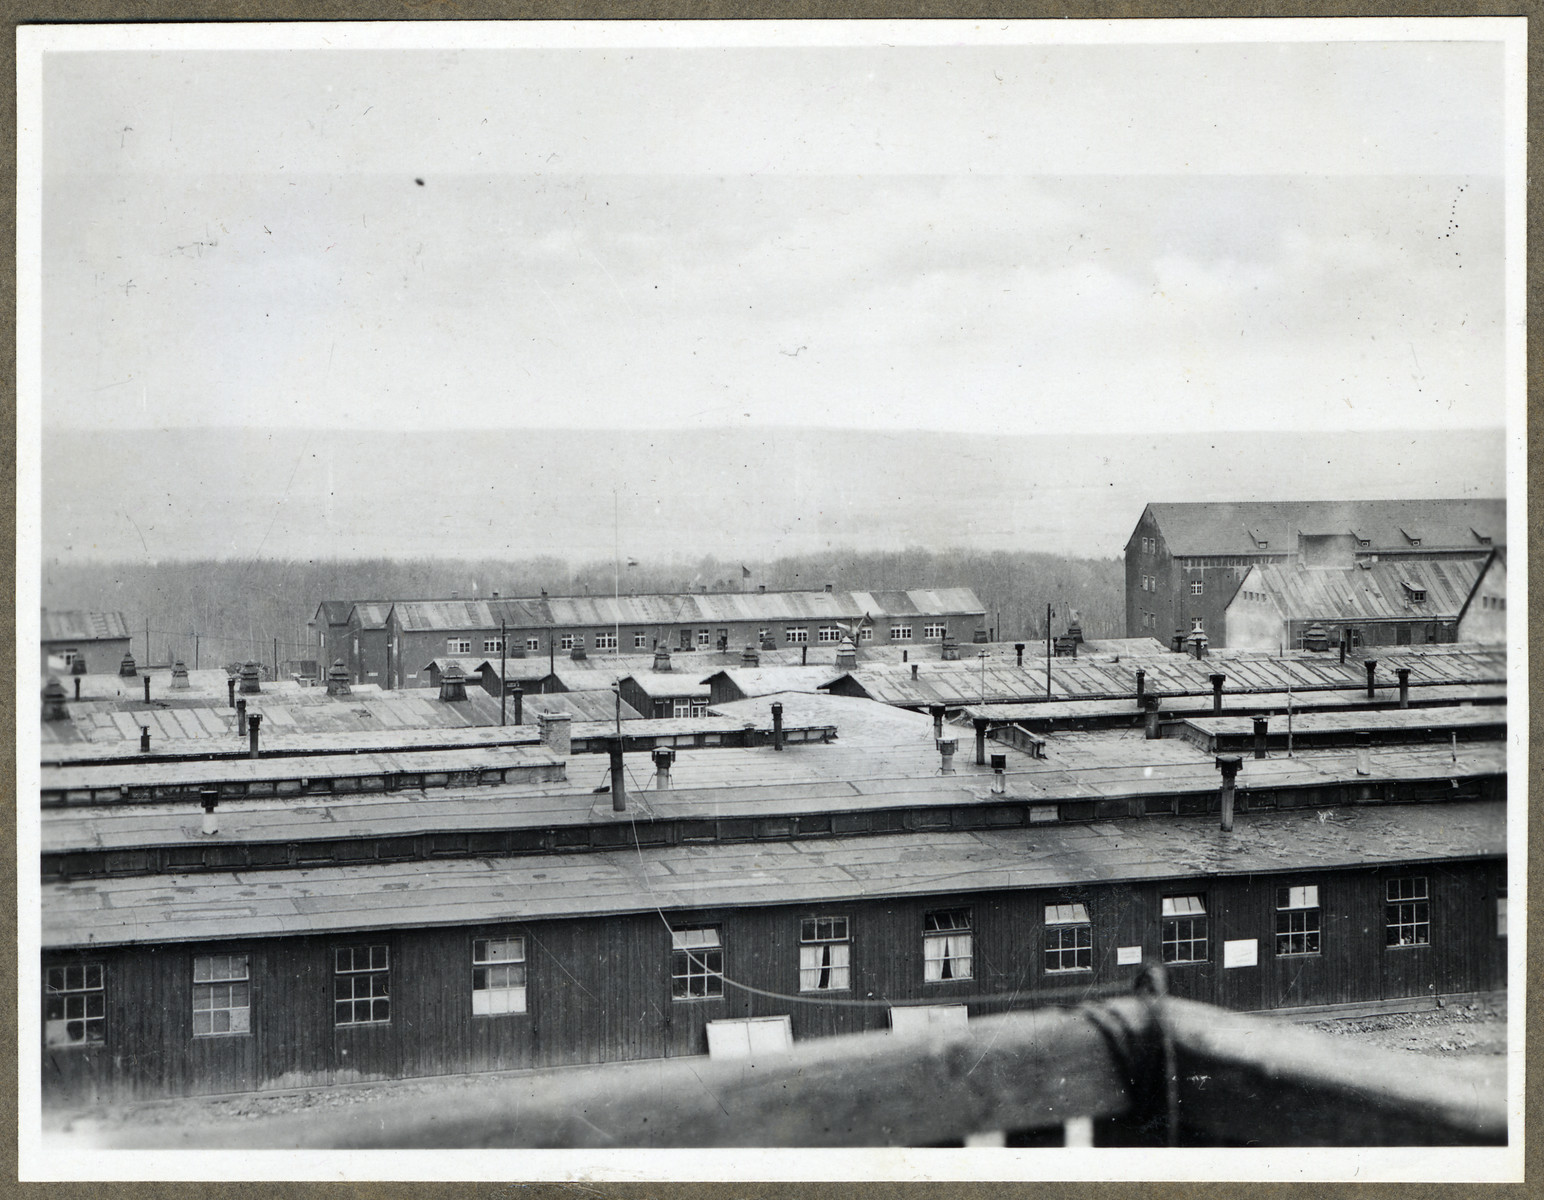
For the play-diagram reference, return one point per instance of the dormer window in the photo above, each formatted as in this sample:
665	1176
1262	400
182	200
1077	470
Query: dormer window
1410	537
1484	539
1415	595
1364	543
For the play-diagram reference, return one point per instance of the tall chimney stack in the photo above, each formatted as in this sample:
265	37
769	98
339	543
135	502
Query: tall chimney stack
517	700
556	732
777	726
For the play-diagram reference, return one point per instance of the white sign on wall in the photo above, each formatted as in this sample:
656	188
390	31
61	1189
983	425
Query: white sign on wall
1243	953
1128	956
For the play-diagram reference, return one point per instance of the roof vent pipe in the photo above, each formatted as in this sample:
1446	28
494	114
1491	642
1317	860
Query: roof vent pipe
230	685
253	722
981	723
1152	730
761	589
913	670
1364	754
517	698
618	775
1018	652
999	773
1404	686
53	699
241	718
209	797
946	749
663	757
1229	765
77	686
936	711
1372	666
1261	725
1141	685
777	726
1217	681
147	687
144	739
828	588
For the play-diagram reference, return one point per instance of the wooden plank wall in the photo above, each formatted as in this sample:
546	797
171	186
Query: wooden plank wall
599	988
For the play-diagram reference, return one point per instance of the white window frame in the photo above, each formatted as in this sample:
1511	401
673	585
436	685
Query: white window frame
825	954
1069	931
681	706
1197	587
935	632
796	635
499	979
1412	911
378	1004
697	954
704	637
457	647
828	633
222	993
1183	917
900	633
948	937
640	641
493	645
566	642
532	643
1299	921
75	994
605	641
866	633
1197	625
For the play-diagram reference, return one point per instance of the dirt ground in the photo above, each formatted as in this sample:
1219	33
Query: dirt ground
1473	1035
1456	1030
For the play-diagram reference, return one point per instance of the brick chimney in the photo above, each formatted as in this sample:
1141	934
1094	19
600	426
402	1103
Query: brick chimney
337	679
251	677
556	732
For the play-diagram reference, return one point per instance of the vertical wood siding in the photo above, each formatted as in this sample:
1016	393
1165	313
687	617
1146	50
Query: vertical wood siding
598	989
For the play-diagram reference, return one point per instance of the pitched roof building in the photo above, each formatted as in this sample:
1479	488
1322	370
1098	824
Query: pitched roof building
1186	562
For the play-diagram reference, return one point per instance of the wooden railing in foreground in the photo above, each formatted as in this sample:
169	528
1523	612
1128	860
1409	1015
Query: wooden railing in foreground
1165	1068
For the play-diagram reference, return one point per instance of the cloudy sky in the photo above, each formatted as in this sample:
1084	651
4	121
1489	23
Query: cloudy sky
1013	238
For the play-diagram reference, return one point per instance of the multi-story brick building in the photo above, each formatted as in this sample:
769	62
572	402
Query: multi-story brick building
1186	562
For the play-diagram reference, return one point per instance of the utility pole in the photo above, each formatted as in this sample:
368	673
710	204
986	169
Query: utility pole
195	651
276	660
503	683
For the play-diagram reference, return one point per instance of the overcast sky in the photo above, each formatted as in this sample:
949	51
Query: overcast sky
1015	238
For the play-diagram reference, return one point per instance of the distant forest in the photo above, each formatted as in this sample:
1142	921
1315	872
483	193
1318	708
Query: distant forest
258	609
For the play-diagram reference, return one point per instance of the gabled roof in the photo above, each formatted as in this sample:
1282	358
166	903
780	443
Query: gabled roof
80	625
1388	525
335	612
370	614
684	608
1381	591
667	685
